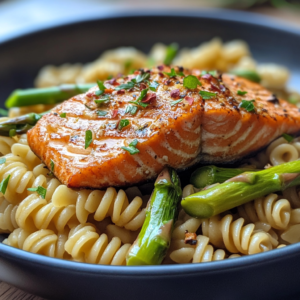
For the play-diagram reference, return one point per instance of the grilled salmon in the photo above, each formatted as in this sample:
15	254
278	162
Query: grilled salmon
125	130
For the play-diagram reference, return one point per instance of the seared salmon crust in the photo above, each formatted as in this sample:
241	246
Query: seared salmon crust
141	122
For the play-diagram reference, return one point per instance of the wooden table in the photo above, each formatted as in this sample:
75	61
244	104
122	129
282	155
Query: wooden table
8	292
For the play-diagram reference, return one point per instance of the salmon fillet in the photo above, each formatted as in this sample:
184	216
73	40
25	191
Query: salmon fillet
154	120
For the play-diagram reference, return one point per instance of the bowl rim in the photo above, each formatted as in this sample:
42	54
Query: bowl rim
226	15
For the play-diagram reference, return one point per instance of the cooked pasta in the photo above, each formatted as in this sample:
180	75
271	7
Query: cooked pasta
6	144
28	157
7	216
103	204
84	244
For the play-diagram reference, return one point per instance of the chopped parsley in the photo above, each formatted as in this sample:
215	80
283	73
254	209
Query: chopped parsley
172	73
287	137
40	190
52	165
139	103
103	100
207	95
132	147
102	113
140	98
123	123
191	82
153	86
241	93
2	160
101	88
213	72
141	77
3	184
63	115
125	86
176	101
3	112
132	109
143	94
88	138
248	105
171	52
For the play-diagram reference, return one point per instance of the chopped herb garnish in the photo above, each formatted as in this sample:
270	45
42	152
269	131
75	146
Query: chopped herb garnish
12	132
40	190
191	82
141	77
143	94
102	113
123	123
101	88
132	109
126	86
172	73
88	138
171	52
3	112
52	165
213	72
87	106
207	95
132	147
103	100
2	160
248	105
63	115
153	86
287	137
175	102
139	103
241	93
3	184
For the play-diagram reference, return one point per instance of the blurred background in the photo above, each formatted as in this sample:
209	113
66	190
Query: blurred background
24	14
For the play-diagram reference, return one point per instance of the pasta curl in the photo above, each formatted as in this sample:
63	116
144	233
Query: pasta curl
7	216
5	144
85	245
102	204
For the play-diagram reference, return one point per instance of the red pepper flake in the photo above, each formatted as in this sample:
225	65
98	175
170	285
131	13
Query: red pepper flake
207	76
175	93
90	94
160	68
142	86
113	81
167	81
214	87
150	97
136	72
114	113
108	91
161	74
190	100
121	92
190	238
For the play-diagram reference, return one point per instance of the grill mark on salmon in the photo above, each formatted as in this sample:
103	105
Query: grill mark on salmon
215	130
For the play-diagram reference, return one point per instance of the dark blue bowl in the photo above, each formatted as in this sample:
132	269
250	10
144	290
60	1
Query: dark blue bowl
270	275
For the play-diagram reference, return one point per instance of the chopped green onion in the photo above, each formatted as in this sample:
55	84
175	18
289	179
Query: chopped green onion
103	100
126	86
123	123
288	137
101	88
3	184
171	52
207	95
139	103
241	93
88	138
132	109
63	115
102	113
191	82
2	160
176	101
3	112
153	86
40	190
143	94
132	147
248	105
141	77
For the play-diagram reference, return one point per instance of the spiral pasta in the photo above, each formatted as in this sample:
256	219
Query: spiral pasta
7	216
269	209
84	244
102	204
43	241
6	144
24	152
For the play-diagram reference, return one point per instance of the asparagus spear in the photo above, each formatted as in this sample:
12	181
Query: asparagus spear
241	189
48	95
208	175
153	241
20	124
